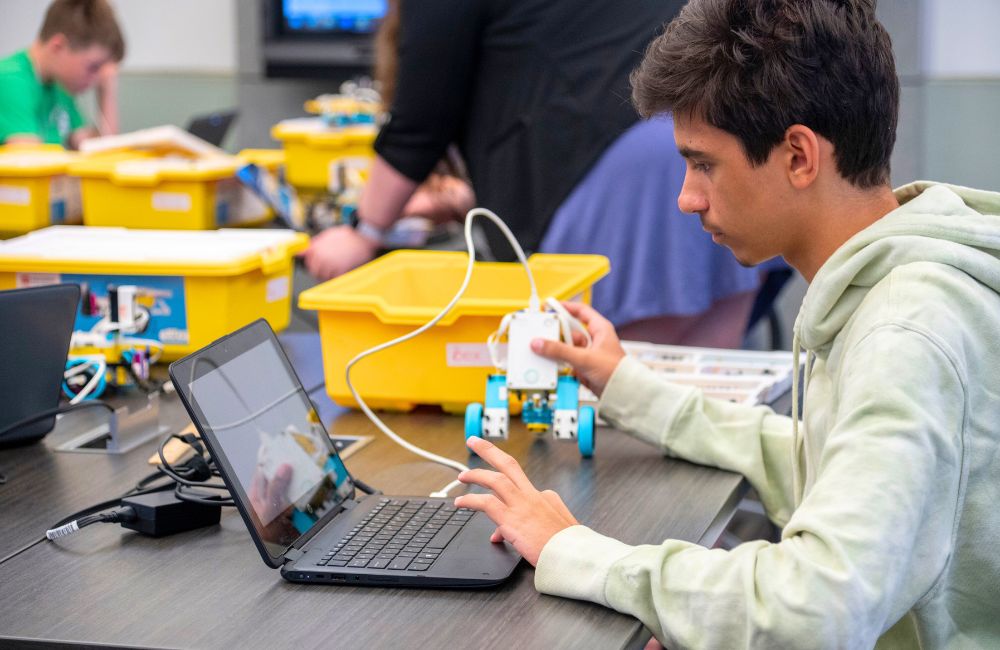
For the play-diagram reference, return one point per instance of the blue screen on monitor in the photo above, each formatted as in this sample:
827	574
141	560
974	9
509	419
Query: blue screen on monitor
326	16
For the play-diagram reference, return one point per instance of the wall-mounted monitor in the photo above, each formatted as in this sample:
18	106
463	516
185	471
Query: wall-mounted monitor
319	38
320	17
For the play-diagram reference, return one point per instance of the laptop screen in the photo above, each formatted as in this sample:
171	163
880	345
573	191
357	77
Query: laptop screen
265	435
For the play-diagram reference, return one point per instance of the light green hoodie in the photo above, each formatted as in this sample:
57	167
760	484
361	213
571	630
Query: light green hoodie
888	492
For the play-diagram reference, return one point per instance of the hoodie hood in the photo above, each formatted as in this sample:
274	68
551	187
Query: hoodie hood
947	224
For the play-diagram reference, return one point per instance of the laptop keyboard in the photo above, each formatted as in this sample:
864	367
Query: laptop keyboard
399	535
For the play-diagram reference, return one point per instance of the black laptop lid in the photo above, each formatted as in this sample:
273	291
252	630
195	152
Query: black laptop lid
263	432
213	127
36	325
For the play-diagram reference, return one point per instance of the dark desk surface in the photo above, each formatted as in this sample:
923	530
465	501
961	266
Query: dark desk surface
209	589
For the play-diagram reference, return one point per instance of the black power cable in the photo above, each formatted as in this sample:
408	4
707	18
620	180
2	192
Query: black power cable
110	503
195	474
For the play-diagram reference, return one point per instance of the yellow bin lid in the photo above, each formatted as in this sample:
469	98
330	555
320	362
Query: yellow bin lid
269	159
313	131
34	160
113	251
411	287
143	170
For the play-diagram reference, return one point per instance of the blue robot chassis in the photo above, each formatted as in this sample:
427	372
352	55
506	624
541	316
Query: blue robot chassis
542	410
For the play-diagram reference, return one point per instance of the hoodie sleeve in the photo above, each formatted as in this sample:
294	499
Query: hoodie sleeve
870	539
752	441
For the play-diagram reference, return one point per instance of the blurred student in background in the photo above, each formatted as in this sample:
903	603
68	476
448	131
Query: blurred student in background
78	48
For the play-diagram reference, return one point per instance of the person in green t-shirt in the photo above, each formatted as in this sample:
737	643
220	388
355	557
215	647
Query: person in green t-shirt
78	47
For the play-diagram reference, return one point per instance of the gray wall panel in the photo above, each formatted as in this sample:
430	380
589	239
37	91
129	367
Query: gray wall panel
962	139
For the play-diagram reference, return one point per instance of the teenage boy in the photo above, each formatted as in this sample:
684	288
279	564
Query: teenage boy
78	47
887	491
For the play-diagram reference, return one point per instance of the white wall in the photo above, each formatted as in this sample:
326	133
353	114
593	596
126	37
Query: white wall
962	38
161	35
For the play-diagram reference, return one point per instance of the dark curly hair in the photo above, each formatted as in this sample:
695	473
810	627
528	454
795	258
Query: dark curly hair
753	68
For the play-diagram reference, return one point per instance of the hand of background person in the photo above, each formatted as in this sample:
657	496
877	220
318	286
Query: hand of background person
107	77
441	198
336	251
595	364
525	517
107	99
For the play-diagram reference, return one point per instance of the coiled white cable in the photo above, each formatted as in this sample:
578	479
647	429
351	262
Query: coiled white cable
534	304
97	365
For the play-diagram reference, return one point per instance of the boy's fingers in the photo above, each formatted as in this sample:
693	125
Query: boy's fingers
486	503
583	312
501	460
592	319
502	486
557	350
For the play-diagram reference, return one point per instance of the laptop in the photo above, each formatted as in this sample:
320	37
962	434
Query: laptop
36	325
212	127
306	513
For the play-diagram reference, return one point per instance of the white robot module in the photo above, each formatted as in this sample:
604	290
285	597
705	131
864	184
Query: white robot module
549	395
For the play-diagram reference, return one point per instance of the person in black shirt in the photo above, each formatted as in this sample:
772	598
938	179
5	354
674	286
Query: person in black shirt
530	91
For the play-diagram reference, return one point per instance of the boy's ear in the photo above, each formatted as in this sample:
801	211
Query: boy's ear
57	43
802	148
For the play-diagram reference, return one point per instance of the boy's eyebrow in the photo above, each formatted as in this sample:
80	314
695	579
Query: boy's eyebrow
687	152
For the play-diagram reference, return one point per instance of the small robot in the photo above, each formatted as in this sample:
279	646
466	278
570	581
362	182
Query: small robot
549	396
106	349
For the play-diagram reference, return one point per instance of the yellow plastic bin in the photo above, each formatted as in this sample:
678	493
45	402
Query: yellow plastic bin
448	364
195	286
140	190
35	191
269	159
314	152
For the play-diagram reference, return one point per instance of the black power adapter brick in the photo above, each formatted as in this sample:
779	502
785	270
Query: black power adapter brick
162	513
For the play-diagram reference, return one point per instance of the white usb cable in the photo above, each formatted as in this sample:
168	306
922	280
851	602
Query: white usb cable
534	304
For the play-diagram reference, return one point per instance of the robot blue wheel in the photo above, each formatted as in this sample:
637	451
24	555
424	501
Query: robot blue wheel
473	420
585	431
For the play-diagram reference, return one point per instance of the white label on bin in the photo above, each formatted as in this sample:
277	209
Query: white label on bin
277	288
22	280
13	195
174	335
171	201
471	355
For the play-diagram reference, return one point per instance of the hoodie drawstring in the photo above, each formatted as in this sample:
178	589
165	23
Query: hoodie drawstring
796	349
798	481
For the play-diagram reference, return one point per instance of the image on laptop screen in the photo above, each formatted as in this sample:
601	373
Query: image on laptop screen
271	440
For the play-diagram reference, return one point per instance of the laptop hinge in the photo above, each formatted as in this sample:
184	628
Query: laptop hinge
293	554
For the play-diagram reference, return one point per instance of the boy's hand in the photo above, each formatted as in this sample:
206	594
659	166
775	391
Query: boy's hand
593	365
525	517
